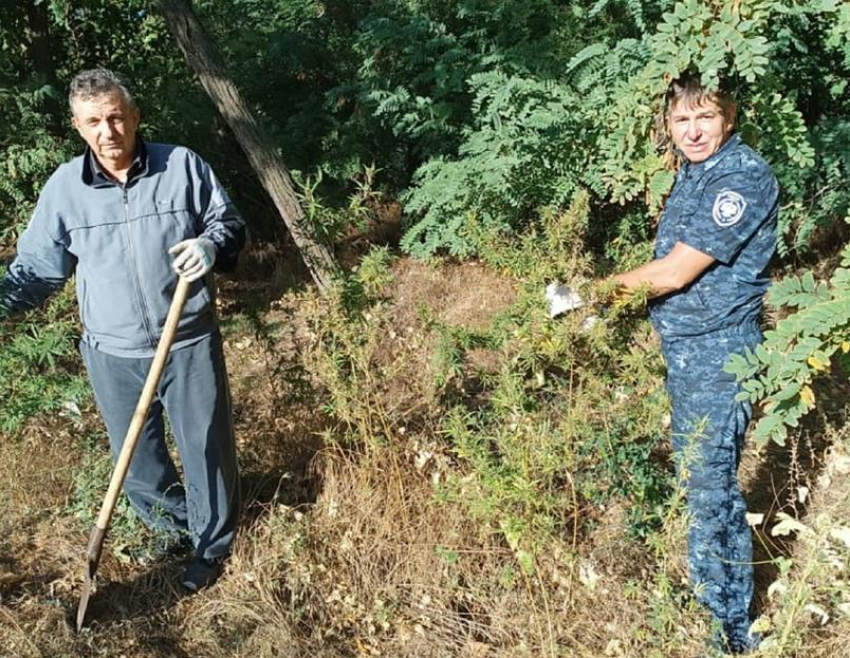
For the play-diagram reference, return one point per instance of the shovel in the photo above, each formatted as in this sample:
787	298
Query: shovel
98	534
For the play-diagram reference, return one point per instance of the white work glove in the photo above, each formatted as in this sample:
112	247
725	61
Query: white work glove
562	299
195	258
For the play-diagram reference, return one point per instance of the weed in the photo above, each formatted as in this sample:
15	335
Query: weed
39	368
330	224
129	540
564	418
810	598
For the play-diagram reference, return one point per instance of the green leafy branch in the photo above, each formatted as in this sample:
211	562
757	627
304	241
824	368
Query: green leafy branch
802	346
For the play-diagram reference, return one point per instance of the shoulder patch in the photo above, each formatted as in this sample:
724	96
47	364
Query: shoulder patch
728	209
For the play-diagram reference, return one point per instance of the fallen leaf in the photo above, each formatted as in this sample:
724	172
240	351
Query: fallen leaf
754	519
588	576
776	587
807	395
787	525
816	363
818	612
841	534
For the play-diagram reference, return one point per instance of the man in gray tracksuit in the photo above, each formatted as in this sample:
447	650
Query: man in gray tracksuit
124	217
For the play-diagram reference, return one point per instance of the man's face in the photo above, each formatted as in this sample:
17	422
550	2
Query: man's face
108	125
699	130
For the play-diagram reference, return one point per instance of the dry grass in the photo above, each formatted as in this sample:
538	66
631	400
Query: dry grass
810	609
348	552
378	568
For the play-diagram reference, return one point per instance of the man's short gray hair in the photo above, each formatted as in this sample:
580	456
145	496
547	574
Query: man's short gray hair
97	82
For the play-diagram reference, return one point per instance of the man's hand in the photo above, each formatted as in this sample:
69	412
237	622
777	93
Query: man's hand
562	299
195	258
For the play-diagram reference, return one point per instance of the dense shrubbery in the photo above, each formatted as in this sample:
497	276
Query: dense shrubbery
469	108
523	132
602	129
803	345
567	416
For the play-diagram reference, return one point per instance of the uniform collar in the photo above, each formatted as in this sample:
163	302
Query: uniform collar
94	175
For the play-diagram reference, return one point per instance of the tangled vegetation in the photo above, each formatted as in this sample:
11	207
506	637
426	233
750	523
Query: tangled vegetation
491	482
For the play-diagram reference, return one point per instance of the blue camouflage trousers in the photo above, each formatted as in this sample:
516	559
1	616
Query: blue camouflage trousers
708	427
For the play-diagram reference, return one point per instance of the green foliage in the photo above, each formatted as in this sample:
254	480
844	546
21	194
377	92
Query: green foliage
419	60
28	154
526	132
128	537
521	151
565	420
723	38
500	108
818	195
37	369
329	223
606	133
346	341
552	249
802	346
749	44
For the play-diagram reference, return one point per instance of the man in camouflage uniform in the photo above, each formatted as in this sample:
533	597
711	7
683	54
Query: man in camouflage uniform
715	240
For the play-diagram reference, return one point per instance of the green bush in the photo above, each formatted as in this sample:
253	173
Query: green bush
532	139
38	365
565	420
780	374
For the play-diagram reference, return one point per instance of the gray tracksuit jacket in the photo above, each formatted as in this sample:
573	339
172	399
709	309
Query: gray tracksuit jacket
116	239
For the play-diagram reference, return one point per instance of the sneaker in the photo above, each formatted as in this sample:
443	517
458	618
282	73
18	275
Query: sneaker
201	573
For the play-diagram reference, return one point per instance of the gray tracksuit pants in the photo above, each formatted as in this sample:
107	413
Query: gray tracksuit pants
194	393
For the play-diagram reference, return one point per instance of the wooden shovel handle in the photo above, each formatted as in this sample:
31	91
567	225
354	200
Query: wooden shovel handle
144	404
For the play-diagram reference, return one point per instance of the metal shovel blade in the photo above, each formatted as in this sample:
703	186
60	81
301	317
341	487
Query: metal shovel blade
92	560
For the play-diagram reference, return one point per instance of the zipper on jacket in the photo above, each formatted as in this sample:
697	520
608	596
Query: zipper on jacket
145	317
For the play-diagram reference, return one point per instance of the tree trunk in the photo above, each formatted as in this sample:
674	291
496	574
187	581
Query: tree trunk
203	59
42	61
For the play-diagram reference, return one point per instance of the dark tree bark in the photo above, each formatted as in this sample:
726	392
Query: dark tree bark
42	60
203	59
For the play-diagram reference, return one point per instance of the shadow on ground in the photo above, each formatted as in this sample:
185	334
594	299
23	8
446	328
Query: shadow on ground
785	476
143	603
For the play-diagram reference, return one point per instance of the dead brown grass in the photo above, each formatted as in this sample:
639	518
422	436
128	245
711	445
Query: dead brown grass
377	567
345	551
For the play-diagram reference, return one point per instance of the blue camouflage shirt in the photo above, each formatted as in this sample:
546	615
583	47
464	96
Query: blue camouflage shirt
725	207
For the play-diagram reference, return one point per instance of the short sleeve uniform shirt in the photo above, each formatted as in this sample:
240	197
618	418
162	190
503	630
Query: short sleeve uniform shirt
725	207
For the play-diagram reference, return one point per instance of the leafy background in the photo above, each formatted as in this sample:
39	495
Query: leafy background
517	142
